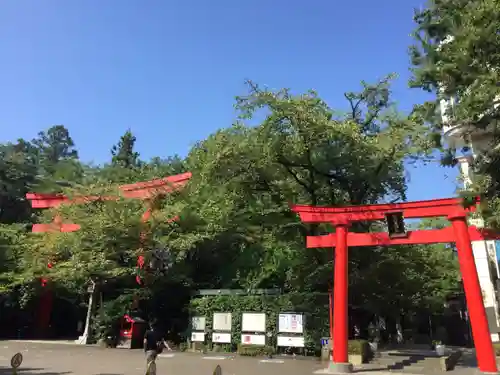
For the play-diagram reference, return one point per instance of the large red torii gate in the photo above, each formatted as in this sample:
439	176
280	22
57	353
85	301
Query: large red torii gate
459	232
146	191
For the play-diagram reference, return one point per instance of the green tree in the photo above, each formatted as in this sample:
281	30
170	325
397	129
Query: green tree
104	247
57	159
235	228
123	153
101	257
408	278
55	145
18	175
456	55
166	166
12	239
236	216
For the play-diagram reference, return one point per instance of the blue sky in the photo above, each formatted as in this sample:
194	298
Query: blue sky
169	69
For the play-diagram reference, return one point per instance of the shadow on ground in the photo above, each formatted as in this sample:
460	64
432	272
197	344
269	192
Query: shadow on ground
411	360
427	363
468	359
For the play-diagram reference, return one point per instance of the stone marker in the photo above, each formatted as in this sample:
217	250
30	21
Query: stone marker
15	362
217	370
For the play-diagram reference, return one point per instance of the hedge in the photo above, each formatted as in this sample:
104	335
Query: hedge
496	347
360	347
255	350
313	306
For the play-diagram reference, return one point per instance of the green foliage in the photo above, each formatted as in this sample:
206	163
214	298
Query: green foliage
108	318
458	50
496	346
255	350
405	278
456	55
123	153
359	347
235	214
313	306
104	248
55	145
57	158
12	239
235	226
222	348
18	175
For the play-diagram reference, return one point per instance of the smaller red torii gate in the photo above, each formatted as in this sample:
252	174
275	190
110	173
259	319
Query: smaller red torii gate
459	232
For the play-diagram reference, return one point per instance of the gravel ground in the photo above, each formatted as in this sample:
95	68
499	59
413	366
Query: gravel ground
49	358
56	359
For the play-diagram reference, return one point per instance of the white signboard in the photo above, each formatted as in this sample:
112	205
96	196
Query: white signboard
290	341
253	322
290	323
223	338
198	323
222	322
197	336
253	339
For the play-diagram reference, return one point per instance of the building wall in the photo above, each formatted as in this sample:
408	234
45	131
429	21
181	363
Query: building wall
487	274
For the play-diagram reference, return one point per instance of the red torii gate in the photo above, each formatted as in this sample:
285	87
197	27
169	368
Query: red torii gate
459	232
140	190
146	191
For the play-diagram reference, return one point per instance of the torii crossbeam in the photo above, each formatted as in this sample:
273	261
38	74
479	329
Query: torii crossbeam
459	232
140	190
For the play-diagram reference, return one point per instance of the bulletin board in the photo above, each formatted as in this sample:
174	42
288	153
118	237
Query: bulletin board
253	322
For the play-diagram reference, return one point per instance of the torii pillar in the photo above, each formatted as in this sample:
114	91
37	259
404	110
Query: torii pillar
340	300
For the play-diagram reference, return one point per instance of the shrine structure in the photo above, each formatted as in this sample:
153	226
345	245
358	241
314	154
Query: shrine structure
146	191
459	232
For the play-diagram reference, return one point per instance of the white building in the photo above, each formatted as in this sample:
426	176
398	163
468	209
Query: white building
486	253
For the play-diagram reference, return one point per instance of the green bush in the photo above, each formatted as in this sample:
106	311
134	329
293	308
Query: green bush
183	346
496	347
360	347
107	322
222	348
198	346
255	350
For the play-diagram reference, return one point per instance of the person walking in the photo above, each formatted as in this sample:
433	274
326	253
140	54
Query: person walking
153	345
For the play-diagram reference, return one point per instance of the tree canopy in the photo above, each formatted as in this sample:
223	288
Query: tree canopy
234	229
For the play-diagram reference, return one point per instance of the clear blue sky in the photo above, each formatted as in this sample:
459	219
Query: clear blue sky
169	69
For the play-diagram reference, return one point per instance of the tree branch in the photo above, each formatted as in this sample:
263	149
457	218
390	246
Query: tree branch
296	177
354	107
